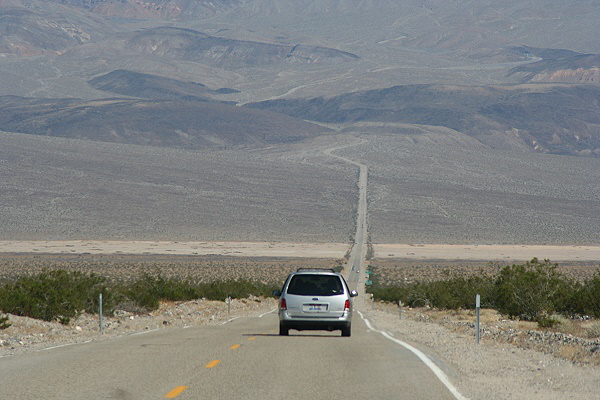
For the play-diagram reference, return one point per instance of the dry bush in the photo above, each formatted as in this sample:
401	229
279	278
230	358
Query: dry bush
593	330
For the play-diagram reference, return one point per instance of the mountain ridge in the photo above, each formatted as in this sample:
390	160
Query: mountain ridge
543	118
169	123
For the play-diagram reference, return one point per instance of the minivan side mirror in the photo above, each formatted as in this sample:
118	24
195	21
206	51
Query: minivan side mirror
277	293
353	293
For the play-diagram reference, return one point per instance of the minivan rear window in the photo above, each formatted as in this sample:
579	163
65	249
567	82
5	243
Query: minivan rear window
315	285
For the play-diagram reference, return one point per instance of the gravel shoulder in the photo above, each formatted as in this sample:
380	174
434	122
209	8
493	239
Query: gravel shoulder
496	368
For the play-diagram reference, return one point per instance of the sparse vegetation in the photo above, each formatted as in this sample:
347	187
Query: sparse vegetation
531	291
61	295
283	193
150	289
593	331
55	295
534	291
4	324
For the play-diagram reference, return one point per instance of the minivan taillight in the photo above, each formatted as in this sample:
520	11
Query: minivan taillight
347	305
283	305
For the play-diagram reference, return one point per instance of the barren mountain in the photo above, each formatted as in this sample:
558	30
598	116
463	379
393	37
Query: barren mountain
187	45
547	119
31	32
160	9
195	9
147	86
157	123
558	65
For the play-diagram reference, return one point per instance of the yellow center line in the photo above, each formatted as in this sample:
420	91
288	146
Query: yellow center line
175	392
235	346
251	338
213	363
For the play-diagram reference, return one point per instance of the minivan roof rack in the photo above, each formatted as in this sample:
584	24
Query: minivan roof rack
315	269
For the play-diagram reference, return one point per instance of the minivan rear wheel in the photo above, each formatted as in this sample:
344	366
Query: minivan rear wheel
284	330
346	331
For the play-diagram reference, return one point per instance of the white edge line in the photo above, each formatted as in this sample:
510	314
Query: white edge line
89	341
268	312
230	319
426	360
144	332
63	345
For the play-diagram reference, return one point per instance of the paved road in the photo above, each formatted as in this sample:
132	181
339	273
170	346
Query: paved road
359	249
243	359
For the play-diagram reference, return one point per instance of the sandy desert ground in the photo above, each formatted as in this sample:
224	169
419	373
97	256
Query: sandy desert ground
245	249
500	253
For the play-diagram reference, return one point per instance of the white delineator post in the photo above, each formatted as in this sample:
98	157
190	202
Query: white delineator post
100	310
477	307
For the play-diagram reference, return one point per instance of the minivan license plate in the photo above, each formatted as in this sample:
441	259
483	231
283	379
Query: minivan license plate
315	307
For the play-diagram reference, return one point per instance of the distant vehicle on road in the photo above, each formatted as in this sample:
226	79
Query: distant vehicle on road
315	299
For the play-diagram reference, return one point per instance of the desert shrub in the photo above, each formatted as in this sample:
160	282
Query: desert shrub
589	297
55	295
564	323
460	292
545	321
593	331
150	289
533	291
147	292
453	293
61	295
393	294
529	291
4	324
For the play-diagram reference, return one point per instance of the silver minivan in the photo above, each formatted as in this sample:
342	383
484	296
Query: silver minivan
315	299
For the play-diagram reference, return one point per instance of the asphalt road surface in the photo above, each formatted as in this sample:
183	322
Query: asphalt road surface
358	253
243	359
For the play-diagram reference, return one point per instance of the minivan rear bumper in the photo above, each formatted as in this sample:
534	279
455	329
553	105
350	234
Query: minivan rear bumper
315	323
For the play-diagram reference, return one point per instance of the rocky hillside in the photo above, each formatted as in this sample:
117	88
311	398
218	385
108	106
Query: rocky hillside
547	119
147	86
187	44
181	124
158	9
558	65
32	32
194	9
